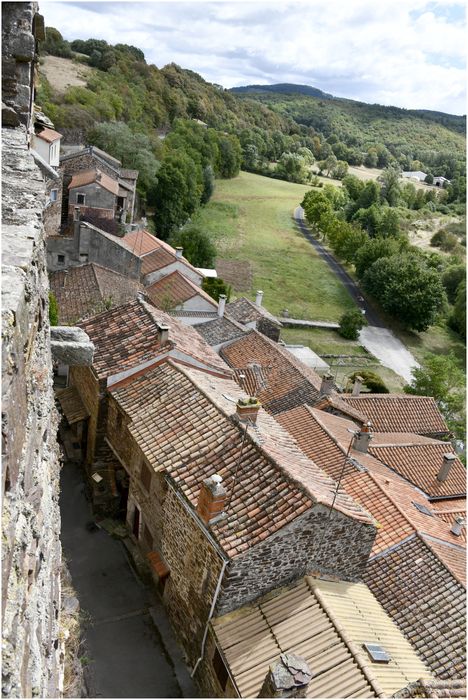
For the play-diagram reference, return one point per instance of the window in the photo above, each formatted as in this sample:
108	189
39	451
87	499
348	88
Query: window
80	198
145	476
53	195
220	669
61	259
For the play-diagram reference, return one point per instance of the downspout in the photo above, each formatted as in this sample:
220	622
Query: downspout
213	604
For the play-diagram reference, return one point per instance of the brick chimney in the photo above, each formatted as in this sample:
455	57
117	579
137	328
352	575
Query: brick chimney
327	384
163	333
288	677
259	298
357	386
447	464
221	305
457	526
211	499
178	252
363	438
247	409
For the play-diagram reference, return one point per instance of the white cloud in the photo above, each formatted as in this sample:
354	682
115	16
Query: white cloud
410	53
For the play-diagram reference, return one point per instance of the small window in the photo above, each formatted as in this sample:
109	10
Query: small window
61	259
145	476
220	669
53	195
80	198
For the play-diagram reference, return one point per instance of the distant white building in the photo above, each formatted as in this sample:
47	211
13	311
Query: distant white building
309	358
414	175
440	181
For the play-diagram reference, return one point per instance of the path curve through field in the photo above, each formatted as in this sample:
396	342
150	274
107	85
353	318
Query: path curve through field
376	338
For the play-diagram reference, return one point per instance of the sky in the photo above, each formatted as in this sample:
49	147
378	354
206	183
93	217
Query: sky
407	53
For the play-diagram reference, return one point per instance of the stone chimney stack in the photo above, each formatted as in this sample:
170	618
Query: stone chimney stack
163	333
289	677
247	409
363	438
326	386
457	526
211	499
357	386
447	463
179	252
259	298
221	305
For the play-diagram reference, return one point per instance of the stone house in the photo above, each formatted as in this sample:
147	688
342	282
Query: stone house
92	159
96	194
129	339
254	315
225	510
177	293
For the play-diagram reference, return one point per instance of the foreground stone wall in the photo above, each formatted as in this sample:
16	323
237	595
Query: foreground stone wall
31	550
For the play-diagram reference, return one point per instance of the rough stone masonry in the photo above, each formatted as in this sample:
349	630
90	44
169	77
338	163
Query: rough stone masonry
31	550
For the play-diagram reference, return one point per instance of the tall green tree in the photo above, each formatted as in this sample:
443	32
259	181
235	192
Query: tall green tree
197	245
407	289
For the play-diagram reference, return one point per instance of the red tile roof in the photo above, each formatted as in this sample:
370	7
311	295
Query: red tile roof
182	420
87	177
156	260
425	601
175	289
420	464
139	242
87	290
452	555
289	383
245	311
49	135
400	413
127	336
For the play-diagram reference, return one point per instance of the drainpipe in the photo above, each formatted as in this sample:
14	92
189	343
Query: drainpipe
213	604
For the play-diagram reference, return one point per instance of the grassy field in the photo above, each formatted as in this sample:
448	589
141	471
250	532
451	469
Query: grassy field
250	219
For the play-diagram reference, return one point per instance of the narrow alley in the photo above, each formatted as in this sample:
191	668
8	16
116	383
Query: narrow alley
124	623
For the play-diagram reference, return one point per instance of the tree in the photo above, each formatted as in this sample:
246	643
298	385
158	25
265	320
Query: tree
407	289
340	170
345	239
457	319
318	209
390	180
351	323
373	249
197	245
292	167
429	179
451	278
372	381
441	377
329	164
230	156
389	225
370	219
208	184
177	194
214	286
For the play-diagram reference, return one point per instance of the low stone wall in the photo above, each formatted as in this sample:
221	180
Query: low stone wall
31	550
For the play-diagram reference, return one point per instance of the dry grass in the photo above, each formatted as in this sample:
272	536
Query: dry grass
63	73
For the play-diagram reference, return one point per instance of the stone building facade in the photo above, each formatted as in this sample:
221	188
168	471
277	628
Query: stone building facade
31	550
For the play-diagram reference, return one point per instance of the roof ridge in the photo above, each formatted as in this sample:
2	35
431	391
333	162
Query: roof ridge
435	443
393	547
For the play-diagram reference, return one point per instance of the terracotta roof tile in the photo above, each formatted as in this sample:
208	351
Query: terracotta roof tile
49	135
86	290
333	401
400	413
139	242
289	383
182	420
127	336
86	177
156	260
426	602
175	289
155	254
452	556
420	464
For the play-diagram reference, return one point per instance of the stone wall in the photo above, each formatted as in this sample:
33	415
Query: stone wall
338	546
31	550
92	392
53	210
268	328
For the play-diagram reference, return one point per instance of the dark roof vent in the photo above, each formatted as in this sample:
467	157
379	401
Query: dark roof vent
377	653
423	509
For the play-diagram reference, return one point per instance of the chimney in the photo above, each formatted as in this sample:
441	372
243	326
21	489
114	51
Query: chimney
447	463
211	499
65	273
76	213
289	677
247	409
259	298
221	305
363	438
163	333
178	252
133	227
326	386
458	525
357	386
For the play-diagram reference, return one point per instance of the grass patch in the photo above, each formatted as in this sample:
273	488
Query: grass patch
250	218
328	342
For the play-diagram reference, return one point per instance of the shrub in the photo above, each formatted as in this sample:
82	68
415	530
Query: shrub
198	248
351	323
53	310
214	286
372	381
